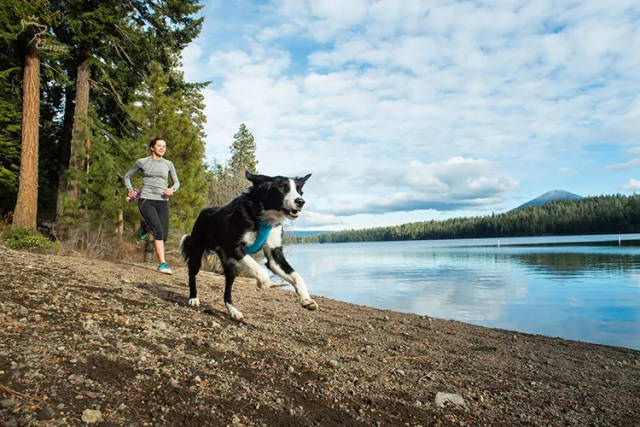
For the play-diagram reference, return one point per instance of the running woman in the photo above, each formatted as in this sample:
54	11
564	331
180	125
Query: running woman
154	196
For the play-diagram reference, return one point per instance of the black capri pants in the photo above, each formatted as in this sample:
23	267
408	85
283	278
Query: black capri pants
156	214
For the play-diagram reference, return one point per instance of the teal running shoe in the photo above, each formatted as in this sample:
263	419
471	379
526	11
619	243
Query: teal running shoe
163	267
142	232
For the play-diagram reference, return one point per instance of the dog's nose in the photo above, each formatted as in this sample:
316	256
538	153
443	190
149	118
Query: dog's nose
299	202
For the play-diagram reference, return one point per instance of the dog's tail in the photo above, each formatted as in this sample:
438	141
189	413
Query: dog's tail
185	246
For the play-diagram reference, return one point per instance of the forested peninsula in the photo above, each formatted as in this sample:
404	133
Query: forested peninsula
592	215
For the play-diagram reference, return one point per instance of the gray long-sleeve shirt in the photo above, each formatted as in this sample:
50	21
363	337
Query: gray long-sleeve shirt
155	177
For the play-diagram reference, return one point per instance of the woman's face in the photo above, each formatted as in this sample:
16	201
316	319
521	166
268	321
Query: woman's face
159	147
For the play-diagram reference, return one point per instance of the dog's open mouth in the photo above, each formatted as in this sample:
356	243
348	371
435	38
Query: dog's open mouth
293	213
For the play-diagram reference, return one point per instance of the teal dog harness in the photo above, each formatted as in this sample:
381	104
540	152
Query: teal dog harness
264	228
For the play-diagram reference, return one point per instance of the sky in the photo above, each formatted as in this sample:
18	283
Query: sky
408	111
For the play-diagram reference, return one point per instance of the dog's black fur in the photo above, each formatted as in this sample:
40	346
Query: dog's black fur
229	229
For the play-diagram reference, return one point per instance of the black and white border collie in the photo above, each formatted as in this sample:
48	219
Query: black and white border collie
239	227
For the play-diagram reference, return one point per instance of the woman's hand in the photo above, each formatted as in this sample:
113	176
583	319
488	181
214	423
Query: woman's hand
132	193
168	192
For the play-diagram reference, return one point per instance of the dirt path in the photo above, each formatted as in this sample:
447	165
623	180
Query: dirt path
115	343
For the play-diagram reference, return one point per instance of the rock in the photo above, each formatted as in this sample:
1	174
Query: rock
452	398
159	324
91	416
7	403
333	363
46	413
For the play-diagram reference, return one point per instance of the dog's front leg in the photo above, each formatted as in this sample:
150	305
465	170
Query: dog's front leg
256	271
279	265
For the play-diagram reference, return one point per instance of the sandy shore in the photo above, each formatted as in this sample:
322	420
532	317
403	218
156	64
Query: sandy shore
87	341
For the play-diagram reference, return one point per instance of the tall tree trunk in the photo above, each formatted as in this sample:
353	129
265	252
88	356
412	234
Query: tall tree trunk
27	203
80	119
120	227
64	149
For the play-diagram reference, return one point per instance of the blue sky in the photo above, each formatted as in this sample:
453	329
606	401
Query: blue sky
416	110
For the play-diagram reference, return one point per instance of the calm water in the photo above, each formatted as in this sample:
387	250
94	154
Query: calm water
576	288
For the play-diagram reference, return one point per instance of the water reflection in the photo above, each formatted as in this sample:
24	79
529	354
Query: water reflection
589	293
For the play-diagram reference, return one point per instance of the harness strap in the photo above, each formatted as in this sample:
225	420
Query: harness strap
264	228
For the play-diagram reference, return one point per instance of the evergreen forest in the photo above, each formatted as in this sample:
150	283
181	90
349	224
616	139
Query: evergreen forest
84	87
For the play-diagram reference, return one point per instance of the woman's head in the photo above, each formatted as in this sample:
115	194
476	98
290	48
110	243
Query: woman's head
158	146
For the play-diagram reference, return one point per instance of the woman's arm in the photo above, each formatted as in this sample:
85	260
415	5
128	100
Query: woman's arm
127	177
174	177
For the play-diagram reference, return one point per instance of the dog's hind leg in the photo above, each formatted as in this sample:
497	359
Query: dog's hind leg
277	263
194	264
230	273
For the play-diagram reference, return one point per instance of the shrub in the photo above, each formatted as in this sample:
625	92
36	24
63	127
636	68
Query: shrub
25	238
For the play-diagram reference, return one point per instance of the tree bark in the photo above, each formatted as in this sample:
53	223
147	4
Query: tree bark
64	149
80	119
27	204
120	227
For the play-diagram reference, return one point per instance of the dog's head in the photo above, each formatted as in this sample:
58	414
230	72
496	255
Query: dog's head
278	193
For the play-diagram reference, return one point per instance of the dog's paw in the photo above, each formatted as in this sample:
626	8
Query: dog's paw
234	313
194	302
310	304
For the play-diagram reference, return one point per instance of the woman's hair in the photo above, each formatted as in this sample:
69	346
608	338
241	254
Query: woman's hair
154	140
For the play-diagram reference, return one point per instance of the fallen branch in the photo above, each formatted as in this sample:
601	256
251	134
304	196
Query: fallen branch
20	395
407	358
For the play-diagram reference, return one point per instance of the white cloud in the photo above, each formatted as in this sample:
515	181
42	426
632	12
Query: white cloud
631	164
633	185
457	183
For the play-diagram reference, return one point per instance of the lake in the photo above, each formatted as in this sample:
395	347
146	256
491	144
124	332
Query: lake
584	288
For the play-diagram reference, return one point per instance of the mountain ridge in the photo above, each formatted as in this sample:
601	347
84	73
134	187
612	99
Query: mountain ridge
549	196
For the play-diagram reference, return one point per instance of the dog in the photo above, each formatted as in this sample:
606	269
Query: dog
250	222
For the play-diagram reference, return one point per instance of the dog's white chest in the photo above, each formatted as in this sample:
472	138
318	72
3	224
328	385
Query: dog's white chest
249	237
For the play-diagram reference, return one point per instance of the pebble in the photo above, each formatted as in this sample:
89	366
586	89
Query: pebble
91	416
453	398
46	413
159	324
334	363
7	403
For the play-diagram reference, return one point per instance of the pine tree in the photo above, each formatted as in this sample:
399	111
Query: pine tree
24	35
243	152
175	113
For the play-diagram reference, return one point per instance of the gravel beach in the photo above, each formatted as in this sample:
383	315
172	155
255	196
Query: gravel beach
84	341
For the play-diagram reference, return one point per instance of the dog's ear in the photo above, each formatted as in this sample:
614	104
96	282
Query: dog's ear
301	181
255	178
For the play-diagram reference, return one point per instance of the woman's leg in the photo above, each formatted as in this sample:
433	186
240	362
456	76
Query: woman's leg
158	245
156	213
162	208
